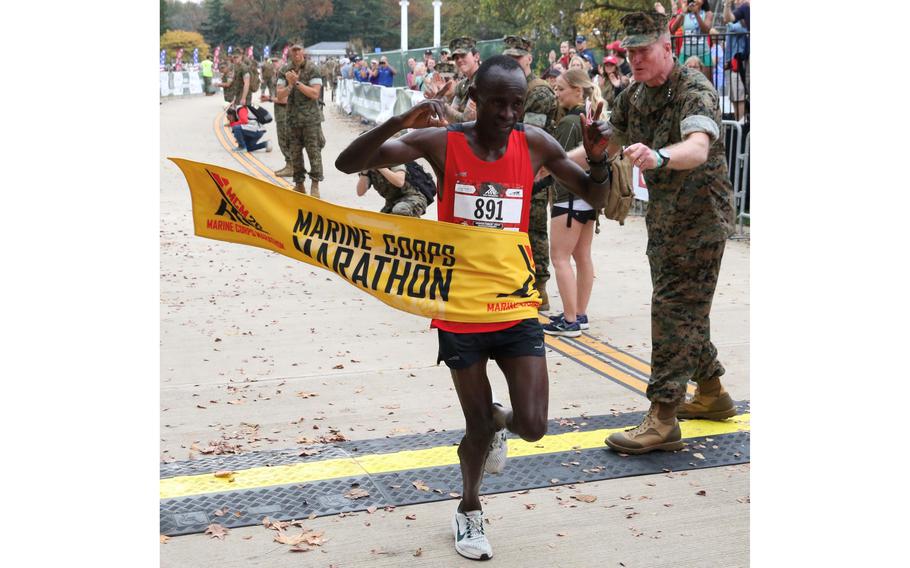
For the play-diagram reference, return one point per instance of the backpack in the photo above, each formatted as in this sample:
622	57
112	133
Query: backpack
254	78
619	194
262	115
420	179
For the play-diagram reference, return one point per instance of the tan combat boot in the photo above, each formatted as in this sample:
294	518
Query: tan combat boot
314	188
286	171
541	288
300	187
654	433
711	402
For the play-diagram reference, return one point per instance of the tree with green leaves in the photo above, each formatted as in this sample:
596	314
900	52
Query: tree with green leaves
218	28
162	17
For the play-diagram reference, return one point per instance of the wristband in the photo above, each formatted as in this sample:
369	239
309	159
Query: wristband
658	159
601	162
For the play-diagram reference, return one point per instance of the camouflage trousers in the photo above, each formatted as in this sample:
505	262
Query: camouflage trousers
281	123
684	281
311	139
411	204
537	233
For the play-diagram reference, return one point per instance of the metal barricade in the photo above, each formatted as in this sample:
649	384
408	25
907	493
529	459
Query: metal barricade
738	167
743	159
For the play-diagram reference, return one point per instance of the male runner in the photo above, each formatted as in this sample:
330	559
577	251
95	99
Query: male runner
495	151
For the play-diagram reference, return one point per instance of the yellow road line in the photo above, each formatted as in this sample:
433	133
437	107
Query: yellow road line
412	459
615	353
608	369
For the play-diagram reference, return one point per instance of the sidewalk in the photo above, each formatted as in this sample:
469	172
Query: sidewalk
244	331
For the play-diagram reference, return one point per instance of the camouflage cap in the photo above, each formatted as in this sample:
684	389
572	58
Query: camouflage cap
462	45
516	45
643	28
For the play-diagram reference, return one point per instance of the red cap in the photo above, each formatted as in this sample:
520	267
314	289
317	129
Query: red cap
616	46
611	60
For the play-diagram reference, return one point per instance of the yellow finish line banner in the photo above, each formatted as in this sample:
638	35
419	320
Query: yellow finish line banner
427	268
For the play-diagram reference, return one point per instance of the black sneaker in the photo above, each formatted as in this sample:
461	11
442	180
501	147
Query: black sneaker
563	328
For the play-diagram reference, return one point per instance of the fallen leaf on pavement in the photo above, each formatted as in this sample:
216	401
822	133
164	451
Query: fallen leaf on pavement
411	517
164	539
357	493
418	552
339	366
420	485
585	498
215	530
702	493
560	534
225	474
698	455
530	506
304	394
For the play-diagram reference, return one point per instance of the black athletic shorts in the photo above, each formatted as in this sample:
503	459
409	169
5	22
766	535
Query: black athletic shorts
581	216
461	350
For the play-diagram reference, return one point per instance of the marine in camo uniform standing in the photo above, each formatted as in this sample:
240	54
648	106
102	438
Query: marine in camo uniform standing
540	110
281	120
670	121
241	84
226	81
268	80
304	118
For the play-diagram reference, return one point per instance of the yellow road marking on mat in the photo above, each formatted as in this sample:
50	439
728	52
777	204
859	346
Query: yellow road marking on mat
258	477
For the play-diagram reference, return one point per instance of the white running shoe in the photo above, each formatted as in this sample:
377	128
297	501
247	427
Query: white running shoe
497	453
470	541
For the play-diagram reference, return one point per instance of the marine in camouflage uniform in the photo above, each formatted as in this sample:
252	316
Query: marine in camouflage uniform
226	82
406	200
281	121
457	111
540	110
304	120
242	72
268	79
690	216
445	64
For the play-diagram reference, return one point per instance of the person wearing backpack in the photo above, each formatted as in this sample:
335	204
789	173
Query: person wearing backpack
403	187
247	132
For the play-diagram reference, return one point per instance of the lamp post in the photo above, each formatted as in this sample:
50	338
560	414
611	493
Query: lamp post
404	24
437	4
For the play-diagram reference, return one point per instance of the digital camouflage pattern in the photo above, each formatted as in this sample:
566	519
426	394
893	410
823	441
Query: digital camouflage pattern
540	110
462	45
281	125
302	110
460	100
642	28
304	122
406	200
684	280
516	45
690	216
227	78
268	77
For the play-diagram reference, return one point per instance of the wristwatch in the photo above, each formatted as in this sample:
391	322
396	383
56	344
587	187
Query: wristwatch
664	157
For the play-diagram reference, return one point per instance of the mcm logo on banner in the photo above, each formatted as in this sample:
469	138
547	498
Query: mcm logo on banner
231	206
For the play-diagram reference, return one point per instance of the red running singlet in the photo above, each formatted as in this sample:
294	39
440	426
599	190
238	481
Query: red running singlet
477	193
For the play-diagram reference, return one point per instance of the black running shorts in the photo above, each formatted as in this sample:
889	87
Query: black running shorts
461	350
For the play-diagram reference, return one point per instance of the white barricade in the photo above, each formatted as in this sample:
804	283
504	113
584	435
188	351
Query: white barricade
195	83
372	102
165	79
